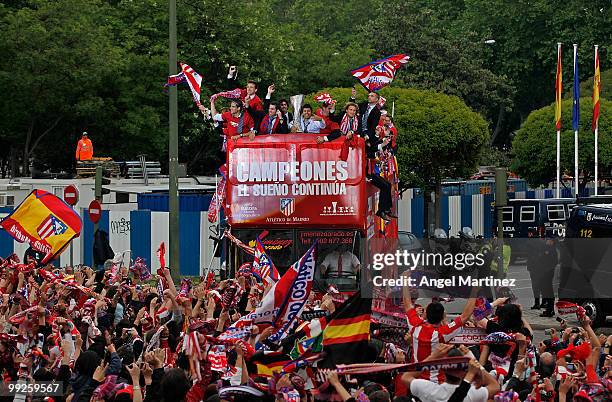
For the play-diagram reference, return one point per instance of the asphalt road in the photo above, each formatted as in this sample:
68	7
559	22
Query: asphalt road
524	295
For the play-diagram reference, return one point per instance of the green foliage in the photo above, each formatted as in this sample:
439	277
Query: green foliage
100	66
493	156
102	69
441	59
534	145
446	40
438	135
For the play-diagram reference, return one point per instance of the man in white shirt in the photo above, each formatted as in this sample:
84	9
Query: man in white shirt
308	123
340	263
428	391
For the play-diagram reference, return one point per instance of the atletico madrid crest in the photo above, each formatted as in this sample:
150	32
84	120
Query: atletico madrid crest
51	226
287	206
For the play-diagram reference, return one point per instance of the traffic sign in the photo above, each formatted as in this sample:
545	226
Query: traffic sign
95	211
71	195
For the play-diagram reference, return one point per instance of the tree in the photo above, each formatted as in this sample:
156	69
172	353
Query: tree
439	136
535	144
53	61
507	79
526	35
444	58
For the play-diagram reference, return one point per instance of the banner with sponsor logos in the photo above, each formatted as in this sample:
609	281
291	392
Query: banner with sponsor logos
282	180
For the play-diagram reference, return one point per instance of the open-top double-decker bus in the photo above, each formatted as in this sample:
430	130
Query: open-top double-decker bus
289	191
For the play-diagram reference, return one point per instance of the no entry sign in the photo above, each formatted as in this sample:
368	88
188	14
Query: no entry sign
95	211
71	195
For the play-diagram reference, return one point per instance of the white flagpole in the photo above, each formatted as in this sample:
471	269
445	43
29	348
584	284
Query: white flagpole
393	109
596	140
596	152
558	192
575	132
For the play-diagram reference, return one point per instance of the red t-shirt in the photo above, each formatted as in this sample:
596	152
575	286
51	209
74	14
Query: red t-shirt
233	122
425	337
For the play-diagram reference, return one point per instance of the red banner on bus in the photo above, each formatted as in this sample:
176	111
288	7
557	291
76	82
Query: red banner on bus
290	180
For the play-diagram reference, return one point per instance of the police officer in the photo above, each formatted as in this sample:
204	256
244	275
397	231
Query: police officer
549	261
541	262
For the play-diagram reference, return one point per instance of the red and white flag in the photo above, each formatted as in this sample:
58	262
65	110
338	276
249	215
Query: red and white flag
217	358
263	265
379	73
193	79
218	198
285	300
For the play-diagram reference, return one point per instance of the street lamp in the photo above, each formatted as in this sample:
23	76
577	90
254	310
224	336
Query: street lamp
173	195
489	41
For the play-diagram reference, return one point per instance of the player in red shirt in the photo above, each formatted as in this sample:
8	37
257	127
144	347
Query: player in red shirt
429	332
239	122
249	96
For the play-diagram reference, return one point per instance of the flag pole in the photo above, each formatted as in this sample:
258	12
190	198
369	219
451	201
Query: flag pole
596	152
576	192
558	192
596	127
558	123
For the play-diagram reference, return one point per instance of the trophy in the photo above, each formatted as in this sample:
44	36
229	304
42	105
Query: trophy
296	101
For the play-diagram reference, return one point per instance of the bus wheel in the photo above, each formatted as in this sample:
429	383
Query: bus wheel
595	312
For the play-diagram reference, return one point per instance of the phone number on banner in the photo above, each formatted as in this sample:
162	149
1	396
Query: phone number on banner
41	388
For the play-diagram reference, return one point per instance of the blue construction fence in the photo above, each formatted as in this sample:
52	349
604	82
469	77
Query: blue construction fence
137	233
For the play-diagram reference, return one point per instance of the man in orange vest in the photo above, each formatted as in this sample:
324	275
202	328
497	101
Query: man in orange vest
84	151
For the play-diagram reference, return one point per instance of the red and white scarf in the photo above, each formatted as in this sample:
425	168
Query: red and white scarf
349	124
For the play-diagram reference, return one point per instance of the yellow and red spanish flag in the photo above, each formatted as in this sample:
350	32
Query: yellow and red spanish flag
596	89
44	221
558	89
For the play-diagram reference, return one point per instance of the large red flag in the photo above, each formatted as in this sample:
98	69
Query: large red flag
379	73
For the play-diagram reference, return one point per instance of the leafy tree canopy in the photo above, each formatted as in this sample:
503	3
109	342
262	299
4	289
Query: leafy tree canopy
535	144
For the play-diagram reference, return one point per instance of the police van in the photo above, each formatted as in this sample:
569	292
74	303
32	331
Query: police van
586	256
525	218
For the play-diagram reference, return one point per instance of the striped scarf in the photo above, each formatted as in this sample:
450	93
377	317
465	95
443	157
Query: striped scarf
533	376
233	94
349	124
267	125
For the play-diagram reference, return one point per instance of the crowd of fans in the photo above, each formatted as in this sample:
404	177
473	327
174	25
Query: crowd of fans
114	335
